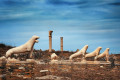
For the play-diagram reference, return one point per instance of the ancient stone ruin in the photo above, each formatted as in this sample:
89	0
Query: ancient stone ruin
27	47
50	41
14	67
61	43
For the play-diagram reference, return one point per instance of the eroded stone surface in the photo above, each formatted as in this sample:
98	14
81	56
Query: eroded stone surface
104	54
81	52
94	53
27	47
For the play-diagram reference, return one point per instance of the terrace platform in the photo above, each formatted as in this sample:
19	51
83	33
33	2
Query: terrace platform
72	62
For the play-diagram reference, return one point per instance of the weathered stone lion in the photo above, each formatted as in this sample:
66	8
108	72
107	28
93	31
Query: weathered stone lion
104	54
94	53
27	47
80	52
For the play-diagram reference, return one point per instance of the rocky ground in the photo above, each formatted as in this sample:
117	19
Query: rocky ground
79	71
68	71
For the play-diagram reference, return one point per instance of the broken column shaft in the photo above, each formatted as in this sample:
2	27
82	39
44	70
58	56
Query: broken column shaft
50	41
61	44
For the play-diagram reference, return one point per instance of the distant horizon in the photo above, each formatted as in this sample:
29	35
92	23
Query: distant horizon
55	50
79	22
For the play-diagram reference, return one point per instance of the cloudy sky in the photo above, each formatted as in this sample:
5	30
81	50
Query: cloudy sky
80	22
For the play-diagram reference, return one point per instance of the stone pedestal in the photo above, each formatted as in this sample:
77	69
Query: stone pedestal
83	60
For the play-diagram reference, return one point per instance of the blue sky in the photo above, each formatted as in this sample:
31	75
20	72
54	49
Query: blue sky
80	22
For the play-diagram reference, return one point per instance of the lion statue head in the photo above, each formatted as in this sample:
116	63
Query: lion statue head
35	38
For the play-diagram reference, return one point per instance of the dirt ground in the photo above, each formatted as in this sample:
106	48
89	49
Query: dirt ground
80	72
60	71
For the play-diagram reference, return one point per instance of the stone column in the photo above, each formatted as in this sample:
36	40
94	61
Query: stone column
61	44
50	41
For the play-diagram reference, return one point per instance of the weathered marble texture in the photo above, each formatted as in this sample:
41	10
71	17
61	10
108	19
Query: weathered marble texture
80	52
94	53
104	54
27	47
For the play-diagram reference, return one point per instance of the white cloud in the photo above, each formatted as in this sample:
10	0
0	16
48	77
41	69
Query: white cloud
101	31
16	15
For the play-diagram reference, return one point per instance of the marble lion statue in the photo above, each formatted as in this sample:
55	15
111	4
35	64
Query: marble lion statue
27	47
104	54
80	52
94	53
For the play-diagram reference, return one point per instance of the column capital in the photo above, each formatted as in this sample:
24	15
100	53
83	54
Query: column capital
50	33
